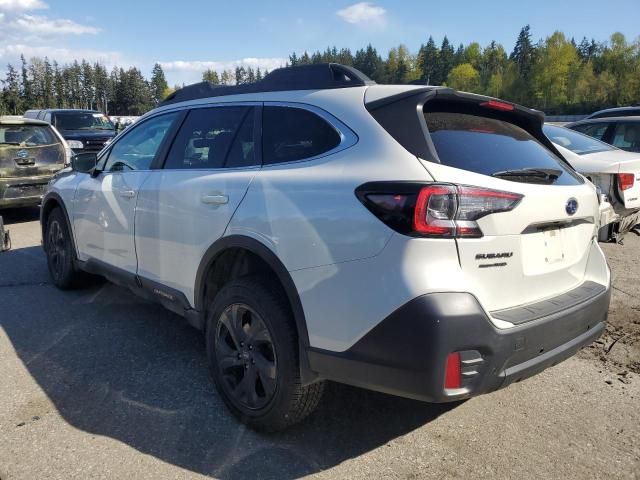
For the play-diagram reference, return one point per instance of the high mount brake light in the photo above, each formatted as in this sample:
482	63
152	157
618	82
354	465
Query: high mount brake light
436	210
626	180
496	105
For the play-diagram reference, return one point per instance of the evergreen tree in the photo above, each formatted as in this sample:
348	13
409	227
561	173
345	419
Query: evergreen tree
428	60
211	76
158	84
12	96
369	62
524	52
445	61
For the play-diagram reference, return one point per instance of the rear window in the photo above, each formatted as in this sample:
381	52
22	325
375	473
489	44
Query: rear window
496	148
576	142
82	121
27	135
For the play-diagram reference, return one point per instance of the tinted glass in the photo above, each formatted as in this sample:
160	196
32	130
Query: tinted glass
139	146
595	130
574	141
219	137
26	135
294	134
627	136
82	121
493	147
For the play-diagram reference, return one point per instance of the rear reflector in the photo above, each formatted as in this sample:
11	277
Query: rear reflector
452	375
496	105
626	180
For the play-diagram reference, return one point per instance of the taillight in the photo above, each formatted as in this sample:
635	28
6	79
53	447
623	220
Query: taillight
626	180
436	210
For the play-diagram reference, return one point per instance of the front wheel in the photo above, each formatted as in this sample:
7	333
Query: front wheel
252	348
59	251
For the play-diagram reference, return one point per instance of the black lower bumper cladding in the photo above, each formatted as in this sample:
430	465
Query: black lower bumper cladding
406	353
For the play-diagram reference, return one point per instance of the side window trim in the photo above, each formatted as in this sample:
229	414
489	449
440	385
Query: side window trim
257	133
348	138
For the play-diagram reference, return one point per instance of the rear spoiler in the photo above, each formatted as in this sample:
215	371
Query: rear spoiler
401	115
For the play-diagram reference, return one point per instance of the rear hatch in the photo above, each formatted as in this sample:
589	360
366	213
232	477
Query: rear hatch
29	151
538	247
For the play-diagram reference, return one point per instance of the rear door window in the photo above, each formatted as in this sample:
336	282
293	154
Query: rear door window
290	134
217	137
496	148
627	136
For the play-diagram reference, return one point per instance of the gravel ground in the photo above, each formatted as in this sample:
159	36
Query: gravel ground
96	383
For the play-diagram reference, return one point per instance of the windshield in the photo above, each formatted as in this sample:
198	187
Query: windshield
495	148
82	121
574	141
26	135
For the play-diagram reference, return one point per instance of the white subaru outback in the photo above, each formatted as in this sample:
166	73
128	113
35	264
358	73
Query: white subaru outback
316	226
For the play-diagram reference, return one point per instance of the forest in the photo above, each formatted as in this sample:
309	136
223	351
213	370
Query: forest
557	75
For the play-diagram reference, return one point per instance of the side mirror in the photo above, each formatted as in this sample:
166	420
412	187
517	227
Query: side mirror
84	162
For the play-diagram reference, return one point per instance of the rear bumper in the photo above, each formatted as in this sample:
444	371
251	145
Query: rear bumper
406	354
22	191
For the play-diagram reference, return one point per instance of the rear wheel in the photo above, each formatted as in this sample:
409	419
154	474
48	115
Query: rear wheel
253	355
59	250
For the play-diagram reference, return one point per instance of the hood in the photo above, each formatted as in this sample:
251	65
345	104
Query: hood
87	134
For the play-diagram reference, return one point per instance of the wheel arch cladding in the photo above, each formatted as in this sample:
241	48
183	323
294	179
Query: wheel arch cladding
269	259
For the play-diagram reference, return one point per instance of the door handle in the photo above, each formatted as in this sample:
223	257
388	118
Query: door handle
127	193
214	199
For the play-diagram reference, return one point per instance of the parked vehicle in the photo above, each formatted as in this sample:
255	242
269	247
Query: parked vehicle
615	173
621	132
84	130
31	151
616	112
418	241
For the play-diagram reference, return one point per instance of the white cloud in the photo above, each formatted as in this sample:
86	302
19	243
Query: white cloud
14	5
364	13
11	53
45	26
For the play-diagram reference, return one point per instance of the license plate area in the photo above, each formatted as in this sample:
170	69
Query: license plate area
553	246
24	191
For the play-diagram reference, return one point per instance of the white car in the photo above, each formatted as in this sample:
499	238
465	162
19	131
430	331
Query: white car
615	173
316	226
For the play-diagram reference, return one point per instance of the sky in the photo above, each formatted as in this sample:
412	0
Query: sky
189	36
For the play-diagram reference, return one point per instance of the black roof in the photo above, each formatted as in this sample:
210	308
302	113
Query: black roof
304	77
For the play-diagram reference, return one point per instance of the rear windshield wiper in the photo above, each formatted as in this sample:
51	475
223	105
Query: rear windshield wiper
542	173
10	143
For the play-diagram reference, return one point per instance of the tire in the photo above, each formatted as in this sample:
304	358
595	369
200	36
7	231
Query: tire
59	251
252	347
605	234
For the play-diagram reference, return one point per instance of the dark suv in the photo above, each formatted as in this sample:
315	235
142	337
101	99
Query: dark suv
84	130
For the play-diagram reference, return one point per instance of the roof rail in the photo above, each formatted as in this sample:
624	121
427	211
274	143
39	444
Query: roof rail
304	77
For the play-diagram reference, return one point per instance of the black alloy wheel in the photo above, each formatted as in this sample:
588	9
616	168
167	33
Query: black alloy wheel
246	357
